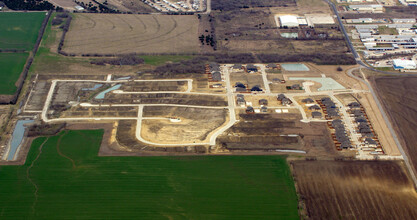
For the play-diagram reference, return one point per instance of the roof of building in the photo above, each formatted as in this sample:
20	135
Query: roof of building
360	119
370	141
251	67
354	105
365	6
263	101
366	26
237	66
406	25
313	19
256	88
316	114
286	101
272	65
403	20
216	76
308	100
288	20
239	84
281	96
314	107
403	63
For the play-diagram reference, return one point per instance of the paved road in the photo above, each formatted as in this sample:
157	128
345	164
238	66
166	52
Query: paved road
208	7
352	48
364	80
168	92
387	121
265	79
231	108
168	105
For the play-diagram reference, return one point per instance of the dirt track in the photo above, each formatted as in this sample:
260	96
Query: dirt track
355	190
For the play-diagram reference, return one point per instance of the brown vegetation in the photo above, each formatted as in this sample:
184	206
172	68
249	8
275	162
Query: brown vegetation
355	190
400	99
123	33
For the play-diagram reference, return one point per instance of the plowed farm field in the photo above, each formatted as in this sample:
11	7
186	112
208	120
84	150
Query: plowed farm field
400	99
129	33
355	190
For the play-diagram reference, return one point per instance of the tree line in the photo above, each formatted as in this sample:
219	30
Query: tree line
30	5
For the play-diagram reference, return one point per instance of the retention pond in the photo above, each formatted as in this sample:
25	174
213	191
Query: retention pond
17	138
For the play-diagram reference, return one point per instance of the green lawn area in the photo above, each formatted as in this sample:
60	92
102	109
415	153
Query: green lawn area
387	30
65	179
20	30
11	66
162	59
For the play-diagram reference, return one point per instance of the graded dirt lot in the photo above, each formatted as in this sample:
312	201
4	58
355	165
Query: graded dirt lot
265	132
127	33
195	125
400	100
355	190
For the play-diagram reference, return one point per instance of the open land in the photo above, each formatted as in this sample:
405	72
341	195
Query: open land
11	66
399	98
18	35
254	29
19	30
118	34
355	189
84	185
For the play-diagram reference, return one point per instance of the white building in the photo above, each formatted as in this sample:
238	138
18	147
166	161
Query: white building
404	64
288	21
367	8
79	8
319	19
404	20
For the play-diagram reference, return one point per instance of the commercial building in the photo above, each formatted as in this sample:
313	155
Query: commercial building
404	64
367	8
404	20
288	21
314	20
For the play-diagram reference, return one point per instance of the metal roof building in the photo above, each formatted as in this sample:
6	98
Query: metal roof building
288	21
404	20
404	64
319	19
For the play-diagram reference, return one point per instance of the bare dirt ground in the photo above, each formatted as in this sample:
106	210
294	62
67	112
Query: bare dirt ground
127	33
254	30
400	101
248	79
355	190
195	126
265	132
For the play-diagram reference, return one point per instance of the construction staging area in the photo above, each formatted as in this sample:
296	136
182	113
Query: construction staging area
253	108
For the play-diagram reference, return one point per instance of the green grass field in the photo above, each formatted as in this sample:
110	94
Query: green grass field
65	179
11	66
20	30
